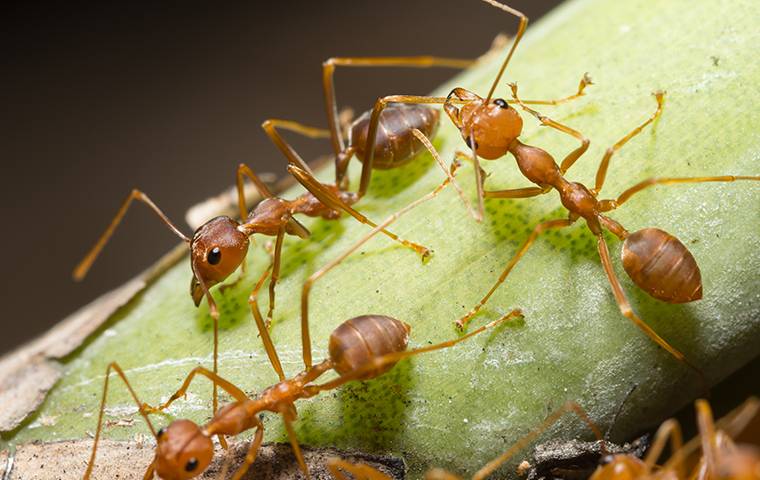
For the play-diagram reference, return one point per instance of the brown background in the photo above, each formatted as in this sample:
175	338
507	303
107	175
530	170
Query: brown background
99	98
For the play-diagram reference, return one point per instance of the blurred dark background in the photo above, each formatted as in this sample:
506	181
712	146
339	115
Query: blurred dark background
100	97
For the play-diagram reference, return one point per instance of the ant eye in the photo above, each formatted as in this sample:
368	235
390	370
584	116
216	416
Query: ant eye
214	256
501	102
191	464
160	432
468	141
607	459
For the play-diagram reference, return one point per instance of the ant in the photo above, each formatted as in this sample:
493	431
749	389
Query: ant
219	246
488	126
656	261
388	140
361	348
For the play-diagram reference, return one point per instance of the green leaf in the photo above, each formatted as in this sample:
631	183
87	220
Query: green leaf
461	407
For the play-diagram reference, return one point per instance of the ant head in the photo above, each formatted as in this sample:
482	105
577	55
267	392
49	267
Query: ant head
217	249
183	451
493	126
619	467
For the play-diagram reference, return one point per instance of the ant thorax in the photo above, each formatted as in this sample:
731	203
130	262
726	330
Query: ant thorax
267	217
536	164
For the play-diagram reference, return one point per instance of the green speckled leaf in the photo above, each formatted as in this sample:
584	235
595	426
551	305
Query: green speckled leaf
461	407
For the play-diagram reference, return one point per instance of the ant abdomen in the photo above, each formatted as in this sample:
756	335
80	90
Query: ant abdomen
359	340
395	144
662	266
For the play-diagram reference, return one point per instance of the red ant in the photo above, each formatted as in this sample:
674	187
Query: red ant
488	126
361	348
404	128
656	261
219	246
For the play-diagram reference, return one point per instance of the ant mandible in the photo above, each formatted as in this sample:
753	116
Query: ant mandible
361	348
656	261
219	246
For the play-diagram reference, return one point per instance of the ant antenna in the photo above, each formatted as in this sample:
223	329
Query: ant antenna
518	36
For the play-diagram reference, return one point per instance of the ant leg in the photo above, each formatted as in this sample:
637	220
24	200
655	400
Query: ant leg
214	312
518	37
271	125
541	227
305	335
275	273
328	86
585	81
627	311
244	170
294	444
383	361
115	367
526	192
150	472
601	173
479	180
84	266
329	199
607	205
266	339
491	466
450	174
708	436
669	430
461	95
571	157
226	385
250	457
358	471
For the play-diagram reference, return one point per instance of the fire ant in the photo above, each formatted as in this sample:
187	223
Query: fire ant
488	126
361	348
404	128
219	246
656	261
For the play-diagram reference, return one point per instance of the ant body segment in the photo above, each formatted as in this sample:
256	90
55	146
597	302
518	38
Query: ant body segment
360	348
